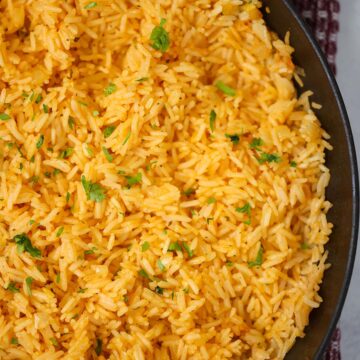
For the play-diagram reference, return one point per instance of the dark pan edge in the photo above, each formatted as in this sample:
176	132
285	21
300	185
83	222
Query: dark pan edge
354	180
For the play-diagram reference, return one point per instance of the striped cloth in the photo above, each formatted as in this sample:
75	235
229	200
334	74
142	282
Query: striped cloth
323	18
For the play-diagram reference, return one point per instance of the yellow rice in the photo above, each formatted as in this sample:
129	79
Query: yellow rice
205	299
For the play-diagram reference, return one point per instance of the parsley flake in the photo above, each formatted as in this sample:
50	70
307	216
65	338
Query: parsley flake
60	231
24	245
108	131
96	113
211	200
265	157
28	282
174	246
293	164
188	250
229	264
159	290
159	37
90	5
189	192
94	192
40	142
259	259
71	122
246	209
46	109
91	251
14	341
227	90
133	180
12	287
145	246
98	347
127	138
54	341
144	274
38	99
4	117
256	143
66	153
110	89
160	265
235	138
107	154
212	120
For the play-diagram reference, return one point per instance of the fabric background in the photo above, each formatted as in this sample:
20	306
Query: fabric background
323	18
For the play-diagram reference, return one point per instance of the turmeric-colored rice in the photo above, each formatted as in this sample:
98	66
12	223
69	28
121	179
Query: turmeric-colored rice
162	184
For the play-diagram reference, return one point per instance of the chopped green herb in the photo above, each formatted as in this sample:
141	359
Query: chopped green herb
81	290
159	37
90	5
60	231
246	209
71	122
96	113
305	246
21	166
121	172
293	164
25	95
142	79
145	246
98	347
108	131
32	159
38	99
31	222
4	117
34	179
265	157
89	151
127	138
24	244
12	287
126	299
186	290
91	251
47	174
189	192
188	250
66	153
144	274
32	96
174	246
50	149
193	212
160	265
212	120
19	150
132	180
14	341
229	264
259	259
108	156
28	281
57	279
235	138
211	200
93	191
227	90
40	142
56	172
46	109
54	341
159	290
67	197
82	103
256	143
110	89
10	145
208	220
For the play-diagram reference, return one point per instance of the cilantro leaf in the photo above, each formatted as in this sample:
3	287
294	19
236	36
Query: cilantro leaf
71	122
14	341
211	200
145	246
98	347
188	250
66	153
12	287
144	274
160	265
40	142
110	89
28	281
246	209
46	109
174	246
256	143
159	290
94	192
259	259
189	192
212	120
159	37
24	244
60	231
133	180
227	90
90	5
265	157
107	154
293	164
54	341
108	131
235	138
4	117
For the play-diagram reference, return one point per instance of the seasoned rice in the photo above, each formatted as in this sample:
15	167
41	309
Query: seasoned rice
157	200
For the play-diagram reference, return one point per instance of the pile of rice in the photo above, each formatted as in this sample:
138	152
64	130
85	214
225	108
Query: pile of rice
155	202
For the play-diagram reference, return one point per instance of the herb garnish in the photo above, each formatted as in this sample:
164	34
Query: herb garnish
24	244
71	122
144	274
246	209
160	265
187	249
60	231
46	109
108	131
12	287
235	138
127	138
145	246
211	200
133	180
28	281
66	153
110	89
189	192
159	290
40	142
265	157
174	246
293	164
98	347
212	120
108	156
90	5
4	117
259	259
227	90
93	191
256	143
159	37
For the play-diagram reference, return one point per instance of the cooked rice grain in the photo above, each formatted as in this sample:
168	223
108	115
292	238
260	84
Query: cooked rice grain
234	232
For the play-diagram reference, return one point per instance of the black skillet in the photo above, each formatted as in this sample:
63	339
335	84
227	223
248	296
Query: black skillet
344	184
